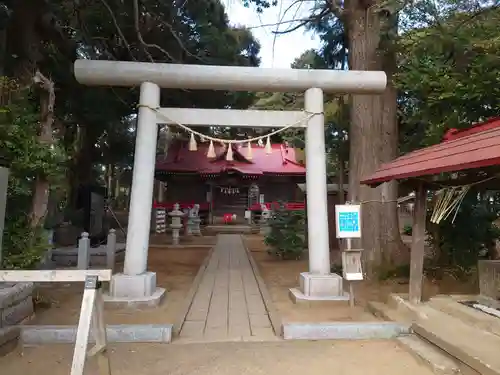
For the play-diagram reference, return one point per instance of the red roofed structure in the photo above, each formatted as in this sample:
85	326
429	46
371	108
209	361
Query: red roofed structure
476	147
231	186
461	150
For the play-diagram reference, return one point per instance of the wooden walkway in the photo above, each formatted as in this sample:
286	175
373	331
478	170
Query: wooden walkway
228	305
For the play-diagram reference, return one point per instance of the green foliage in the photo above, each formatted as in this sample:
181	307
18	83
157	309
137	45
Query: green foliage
22	247
407	230
471	236
448	76
26	158
286	238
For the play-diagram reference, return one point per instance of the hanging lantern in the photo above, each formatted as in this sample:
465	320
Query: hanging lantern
192	143
229	155
269	149
211	150
249	151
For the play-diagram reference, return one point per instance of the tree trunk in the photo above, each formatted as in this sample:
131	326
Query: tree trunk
393	247
42	187
341	190
373	138
81	168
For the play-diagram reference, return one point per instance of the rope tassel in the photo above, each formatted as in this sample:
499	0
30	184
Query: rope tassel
192	143
211	151
249	151
269	149
229	155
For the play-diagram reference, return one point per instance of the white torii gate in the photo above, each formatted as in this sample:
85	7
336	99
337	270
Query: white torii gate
136	284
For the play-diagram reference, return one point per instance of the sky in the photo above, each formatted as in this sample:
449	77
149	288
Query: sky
277	51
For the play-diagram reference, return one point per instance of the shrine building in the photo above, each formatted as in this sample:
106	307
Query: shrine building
231	181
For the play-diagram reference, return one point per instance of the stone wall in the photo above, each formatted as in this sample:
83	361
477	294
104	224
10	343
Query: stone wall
68	257
16	305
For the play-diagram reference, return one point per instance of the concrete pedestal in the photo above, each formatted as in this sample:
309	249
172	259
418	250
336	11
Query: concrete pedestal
319	288
134	290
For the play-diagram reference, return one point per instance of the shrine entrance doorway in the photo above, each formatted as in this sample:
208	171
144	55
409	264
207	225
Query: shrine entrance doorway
230	197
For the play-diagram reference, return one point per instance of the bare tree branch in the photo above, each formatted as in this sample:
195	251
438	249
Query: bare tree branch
178	39
304	22
118	29
139	35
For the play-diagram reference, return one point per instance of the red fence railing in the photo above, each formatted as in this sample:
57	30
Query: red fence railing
292	206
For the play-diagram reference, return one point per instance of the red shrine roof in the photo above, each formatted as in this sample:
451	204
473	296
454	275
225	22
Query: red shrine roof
282	160
476	147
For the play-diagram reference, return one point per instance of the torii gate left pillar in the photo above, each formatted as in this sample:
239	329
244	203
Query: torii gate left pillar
138	286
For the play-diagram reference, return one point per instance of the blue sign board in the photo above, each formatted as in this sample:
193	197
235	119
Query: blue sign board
348	222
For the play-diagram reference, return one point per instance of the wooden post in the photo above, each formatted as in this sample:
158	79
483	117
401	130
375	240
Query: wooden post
418	245
351	283
91	312
83	252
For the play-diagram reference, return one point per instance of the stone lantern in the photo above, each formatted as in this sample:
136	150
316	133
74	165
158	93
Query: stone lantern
176	214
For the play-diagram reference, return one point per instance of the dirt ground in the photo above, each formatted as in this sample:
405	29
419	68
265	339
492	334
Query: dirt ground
175	270
280	276
166	240
291	358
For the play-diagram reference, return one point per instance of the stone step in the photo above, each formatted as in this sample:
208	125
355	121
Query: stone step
437	360
466	314
385	312
9	339
475	348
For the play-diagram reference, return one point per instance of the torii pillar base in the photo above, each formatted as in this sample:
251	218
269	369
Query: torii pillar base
319	288
134	291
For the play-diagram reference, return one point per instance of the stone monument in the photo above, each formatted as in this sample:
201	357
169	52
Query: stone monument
176	224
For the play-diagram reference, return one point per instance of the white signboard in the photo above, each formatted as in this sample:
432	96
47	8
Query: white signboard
348	220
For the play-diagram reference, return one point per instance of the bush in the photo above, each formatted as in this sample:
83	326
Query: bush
23	247
408	230
471	236
286	238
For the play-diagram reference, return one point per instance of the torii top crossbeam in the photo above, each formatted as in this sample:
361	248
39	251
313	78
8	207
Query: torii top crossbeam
231	78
